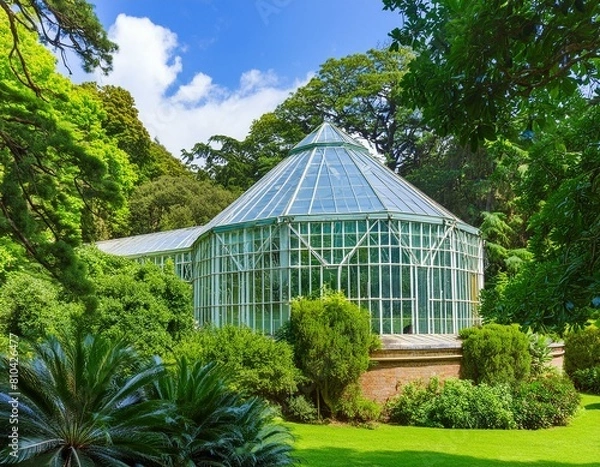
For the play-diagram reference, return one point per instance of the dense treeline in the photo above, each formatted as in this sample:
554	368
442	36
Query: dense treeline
523	163
77	165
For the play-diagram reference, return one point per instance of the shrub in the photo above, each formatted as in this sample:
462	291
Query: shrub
354	407
582	350
587	380
261	366
331	337
544	402
464	405
540	354
456	404
413	405
300	409
495	354
147	306
31	306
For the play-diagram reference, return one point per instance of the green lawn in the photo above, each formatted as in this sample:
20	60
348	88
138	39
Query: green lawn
335	445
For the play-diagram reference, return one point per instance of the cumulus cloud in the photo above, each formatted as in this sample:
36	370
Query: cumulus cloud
180	115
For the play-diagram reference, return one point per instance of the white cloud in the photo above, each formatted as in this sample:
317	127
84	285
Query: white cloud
147	65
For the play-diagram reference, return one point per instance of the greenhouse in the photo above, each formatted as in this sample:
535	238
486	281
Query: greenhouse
331	216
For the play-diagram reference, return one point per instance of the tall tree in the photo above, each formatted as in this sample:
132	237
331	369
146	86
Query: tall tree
480	63
360	93
175	202
55	160
71	25
121	121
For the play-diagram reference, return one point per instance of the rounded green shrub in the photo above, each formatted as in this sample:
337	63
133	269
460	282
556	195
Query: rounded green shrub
587	380
259	364
550	400
461	404
495	354
354	407
413	405
582	350
455	404
300	409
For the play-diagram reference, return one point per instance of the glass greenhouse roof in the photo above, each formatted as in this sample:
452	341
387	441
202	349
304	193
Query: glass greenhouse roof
329	173
159	242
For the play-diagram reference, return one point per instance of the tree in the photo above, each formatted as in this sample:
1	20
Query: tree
65	26
149	307
332	339
359	93
82	401
480	63
55	162
560	190
175	202
121	121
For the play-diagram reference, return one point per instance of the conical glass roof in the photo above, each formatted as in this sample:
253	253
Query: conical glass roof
329	173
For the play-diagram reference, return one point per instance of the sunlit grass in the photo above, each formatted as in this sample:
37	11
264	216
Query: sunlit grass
386	445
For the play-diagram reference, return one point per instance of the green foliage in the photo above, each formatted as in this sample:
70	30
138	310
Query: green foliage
541	354
550	400
495	354
175	202
354	407
82	402
587	379
213	425
456	404
121	121
331	338
149	307
62	25
91	401
481	62
261	366
31	307
55	161
582	350
300	409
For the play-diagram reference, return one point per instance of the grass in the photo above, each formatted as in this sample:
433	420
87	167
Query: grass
387	445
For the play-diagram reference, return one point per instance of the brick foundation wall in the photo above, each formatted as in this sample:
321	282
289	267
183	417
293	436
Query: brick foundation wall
401	362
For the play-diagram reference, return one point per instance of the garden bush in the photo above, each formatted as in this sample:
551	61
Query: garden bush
550	400
300	409
541	355
495	354
461	404
547	401
413	405
582	350
587	380
331	337
356	408
260	365
455	404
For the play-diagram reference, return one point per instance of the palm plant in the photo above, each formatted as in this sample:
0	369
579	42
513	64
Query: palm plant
216	426
82	402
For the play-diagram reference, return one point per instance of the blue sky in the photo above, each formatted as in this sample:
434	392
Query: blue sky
203	67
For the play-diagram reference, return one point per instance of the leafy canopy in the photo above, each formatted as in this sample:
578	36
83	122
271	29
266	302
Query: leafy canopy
56	163
481	63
